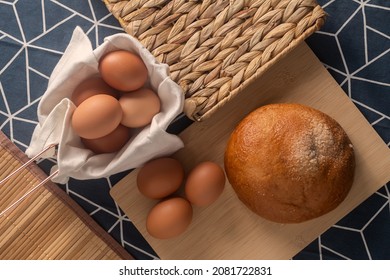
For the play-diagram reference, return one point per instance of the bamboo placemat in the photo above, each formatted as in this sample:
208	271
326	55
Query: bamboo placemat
48	224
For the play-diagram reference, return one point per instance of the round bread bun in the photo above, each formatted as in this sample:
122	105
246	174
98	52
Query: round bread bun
289	163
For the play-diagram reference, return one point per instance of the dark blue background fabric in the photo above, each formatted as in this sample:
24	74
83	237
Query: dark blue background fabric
354	46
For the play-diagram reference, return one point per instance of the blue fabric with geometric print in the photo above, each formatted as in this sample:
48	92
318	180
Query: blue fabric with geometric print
353	45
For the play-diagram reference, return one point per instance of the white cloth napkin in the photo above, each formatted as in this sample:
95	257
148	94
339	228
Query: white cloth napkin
55	109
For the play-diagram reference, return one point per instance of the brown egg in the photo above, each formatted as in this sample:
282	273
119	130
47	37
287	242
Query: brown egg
109	143
123	70
139	107
97	116
160	177
205	183
169	218
91	86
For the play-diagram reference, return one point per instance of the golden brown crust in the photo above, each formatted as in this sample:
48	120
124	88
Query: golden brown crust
289	163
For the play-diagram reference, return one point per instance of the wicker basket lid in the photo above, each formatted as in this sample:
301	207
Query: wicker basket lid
215	48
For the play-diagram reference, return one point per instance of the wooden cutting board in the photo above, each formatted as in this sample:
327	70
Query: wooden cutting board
227	229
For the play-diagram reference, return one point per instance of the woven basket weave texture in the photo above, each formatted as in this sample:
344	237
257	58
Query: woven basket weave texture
215	48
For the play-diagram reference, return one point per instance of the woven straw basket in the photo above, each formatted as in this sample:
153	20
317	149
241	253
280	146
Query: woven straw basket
215	48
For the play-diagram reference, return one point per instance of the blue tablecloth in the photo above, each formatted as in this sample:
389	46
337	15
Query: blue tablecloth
354	45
